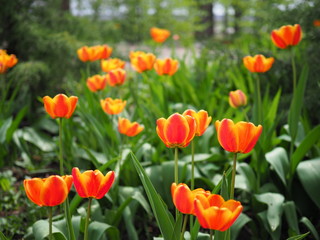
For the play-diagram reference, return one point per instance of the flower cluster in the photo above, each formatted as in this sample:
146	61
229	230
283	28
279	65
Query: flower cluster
94	53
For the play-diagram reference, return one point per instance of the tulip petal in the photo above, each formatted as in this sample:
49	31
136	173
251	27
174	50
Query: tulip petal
199	211
161	123
105	184
227	135
78	183
54	191
61	107
72	105
49	106
176	130
33	189
235	214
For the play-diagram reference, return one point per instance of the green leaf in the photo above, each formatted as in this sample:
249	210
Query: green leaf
162	215
276	233
245	170
40	231
275	208
291	216
309	175
97	229
278	159
4	128
298	237
2	237
16	123
272	109
311	227
307	143
236	227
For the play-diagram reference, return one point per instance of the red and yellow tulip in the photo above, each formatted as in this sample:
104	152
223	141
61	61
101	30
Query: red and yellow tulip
116	77
237	99
215	213
91	183
50	191
166	66
96	83
141	61
111	64
258	63
237	138
202	120
177	130
183	198
128	128
6	61
60	106
286	36
159	35
94	53
112	106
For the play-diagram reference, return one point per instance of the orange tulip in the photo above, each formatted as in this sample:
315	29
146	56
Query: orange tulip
215	213
141	61
167	66
111	64
202	120
177	130
112	106
6	61
96	83
159	35
286	36
258	63
50	191
128	128
94	53
237	138
237	99
60	106
116	77
92	183
183	198
316	23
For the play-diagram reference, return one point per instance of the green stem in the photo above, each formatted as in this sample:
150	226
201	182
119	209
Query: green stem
60	147
233	176
258	101
192	164
185	220
245	114
294	71
50	223
176	173
211	234
87	220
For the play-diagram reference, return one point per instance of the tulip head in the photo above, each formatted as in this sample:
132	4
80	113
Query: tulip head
183	198
177	130
215	213
237	138
112	106
128	128
116	77
159	35
237	99
258	63
316	23
94	53
92	183
202	120
51	191
286	36
111	64
96	83
60	106
6	61
141	61
166	66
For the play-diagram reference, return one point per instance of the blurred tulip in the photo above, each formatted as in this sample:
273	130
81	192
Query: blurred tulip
50	191
167	66
6	61
286	36
237	138
176	37
94	53
141	61
128	128
202	120
159	35
60	106
111	64
116	77
215	213
112	106
177	130
258	63
316	23
92	184
96	83
183	198
237	99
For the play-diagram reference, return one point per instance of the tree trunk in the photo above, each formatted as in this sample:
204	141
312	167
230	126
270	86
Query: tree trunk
207	20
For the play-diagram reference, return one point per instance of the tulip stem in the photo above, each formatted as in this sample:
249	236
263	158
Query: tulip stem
192	164
176	173
60	147
185	220
87	220
211	234
294	70
233	175
50	223
258	101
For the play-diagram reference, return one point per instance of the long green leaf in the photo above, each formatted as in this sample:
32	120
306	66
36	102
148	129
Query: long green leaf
299	237
291	216
2	237
162	215
311	227
241	221
97	229
40	230
279	161
4	128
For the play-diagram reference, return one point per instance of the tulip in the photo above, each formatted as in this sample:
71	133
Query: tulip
50	191
111	64
96	83
258	63
286	36
215	213
167	66
237	138
112	106
177	130
141	61
183	198
159	35
6	61
202	120
60	106
92	184
237	99
128	128
316	23
116	77
94	53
